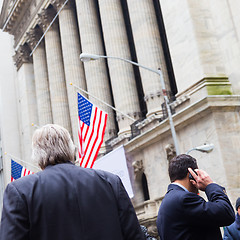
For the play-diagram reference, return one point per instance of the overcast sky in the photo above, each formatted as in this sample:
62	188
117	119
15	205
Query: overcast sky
6	52
5	43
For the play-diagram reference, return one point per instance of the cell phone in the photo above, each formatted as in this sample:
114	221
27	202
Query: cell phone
191	177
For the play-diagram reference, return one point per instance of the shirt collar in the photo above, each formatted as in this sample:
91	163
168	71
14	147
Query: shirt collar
180	185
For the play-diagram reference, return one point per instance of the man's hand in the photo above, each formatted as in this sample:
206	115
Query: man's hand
202	179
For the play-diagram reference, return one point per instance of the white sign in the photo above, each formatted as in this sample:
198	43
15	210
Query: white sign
115	162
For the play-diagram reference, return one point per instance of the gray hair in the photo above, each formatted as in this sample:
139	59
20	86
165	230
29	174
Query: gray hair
51	145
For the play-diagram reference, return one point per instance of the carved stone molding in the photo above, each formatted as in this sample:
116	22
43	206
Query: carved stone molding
20	28
33	37
135	115
45	17
152	96
22	56
57	4
112	132
170	151
138	167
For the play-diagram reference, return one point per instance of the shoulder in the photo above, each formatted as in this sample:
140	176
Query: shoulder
179	197
175	191
107	175
232	227
231	230
29	179
109	178
174	197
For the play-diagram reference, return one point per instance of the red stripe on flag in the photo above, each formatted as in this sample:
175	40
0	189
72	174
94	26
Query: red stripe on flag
80	150
94	143
104	126
91	134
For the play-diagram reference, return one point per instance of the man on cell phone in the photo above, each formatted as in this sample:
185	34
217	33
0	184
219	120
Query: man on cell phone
185	215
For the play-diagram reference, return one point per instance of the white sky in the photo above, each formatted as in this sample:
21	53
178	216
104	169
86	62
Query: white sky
6	51
6	63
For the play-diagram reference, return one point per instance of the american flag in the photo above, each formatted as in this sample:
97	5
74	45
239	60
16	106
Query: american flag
18	171
91	129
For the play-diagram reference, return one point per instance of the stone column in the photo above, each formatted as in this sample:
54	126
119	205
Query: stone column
41	77
121	73
27	98
72	65
149	51
57	83
206	38
195	51
95	71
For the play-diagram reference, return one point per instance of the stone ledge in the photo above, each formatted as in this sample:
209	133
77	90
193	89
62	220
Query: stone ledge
184	117
148	210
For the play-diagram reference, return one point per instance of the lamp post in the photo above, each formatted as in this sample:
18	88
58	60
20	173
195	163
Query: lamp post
203	148
85	57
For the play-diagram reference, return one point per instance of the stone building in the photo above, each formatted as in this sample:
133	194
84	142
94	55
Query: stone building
194	43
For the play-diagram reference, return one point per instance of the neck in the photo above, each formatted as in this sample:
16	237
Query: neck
187	184
183	183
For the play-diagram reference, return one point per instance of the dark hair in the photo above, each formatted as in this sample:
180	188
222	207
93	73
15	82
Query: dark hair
178	166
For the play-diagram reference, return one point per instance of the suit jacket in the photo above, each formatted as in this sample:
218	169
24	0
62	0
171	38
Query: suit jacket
185	215
66	202
232	232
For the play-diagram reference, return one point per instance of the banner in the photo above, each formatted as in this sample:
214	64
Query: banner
115	162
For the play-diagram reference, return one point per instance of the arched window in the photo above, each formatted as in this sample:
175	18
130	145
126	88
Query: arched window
145	187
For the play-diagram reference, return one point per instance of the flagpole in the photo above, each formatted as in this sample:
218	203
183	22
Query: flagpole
20	160
103	102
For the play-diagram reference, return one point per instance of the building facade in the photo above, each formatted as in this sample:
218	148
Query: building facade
194	43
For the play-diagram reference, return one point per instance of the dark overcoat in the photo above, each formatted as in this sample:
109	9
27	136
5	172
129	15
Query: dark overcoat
66	202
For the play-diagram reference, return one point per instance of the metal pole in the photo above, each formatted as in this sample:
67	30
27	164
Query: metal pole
174	136
193	149
159	72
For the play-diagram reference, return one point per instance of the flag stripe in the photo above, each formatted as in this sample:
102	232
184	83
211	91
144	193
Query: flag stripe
91	129
96	138
91	133
101	140
18	171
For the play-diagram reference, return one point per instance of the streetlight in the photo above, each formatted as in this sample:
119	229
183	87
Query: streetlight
203	148
85	57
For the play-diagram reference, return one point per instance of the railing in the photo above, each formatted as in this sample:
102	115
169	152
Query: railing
148	211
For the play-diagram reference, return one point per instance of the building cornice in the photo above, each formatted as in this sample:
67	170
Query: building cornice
10	16
20	17
202	107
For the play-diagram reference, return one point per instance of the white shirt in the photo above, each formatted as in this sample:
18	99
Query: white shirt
180	185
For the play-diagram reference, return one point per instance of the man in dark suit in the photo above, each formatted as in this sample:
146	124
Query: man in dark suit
183	214
66	202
